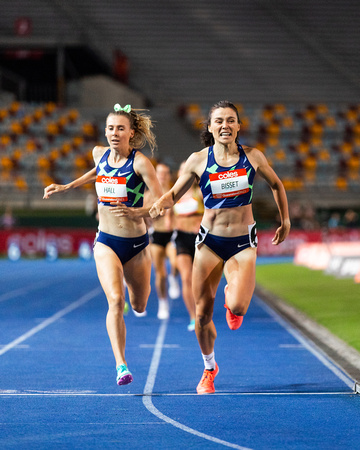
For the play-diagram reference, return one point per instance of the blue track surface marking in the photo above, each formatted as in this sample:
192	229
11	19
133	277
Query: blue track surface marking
275	389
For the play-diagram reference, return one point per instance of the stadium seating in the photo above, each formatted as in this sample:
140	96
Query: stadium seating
309	146
41	144
312	147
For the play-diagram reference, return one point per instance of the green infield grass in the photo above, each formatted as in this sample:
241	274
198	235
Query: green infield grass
330	301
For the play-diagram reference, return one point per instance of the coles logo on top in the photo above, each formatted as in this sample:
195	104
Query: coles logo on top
111	189
229	184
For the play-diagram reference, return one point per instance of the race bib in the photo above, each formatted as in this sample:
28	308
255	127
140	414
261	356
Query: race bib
229	184
111	189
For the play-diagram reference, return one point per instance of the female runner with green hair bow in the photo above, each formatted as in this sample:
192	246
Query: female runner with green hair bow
121	246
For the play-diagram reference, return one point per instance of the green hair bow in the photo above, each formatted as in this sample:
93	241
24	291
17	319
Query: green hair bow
126	108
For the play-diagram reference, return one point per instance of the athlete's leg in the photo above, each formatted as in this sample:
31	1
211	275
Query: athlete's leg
158	255
173	283
207	272
239	272
171	254
137	274
110	273
185	264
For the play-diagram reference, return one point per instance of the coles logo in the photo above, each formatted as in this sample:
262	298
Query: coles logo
107	180
227	175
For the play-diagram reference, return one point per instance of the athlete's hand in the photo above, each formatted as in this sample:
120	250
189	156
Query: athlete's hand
53	189
156	210
281	233
121	210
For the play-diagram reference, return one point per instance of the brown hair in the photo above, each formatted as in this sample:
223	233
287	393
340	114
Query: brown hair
142	125
206	137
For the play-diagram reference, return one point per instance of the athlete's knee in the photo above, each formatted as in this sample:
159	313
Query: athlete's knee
139	301
204	315
203	319
239	310
116	302
138	308
238	301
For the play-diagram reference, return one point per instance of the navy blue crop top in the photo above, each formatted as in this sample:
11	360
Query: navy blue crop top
227	187
119	184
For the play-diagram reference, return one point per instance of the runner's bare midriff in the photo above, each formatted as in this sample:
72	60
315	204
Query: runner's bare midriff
119	226
188	224
228	222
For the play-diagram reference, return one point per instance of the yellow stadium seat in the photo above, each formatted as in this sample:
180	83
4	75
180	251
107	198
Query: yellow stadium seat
6	163
54	154
49	108
298	184
80	162
288	184
62	122
330	122
52	129
14	108
45	179
280	154
287	122
5	140
303	148
21	183
322	109
88	129
43	163
77	141
324	154
66	148
3	114
17	154
346	148
341	183
73	115
30	146
16	128
310	163
38	114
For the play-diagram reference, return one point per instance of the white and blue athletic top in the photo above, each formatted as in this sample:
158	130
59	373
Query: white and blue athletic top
227	187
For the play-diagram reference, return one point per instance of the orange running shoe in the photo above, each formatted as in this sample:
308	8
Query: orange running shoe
232	320
206	385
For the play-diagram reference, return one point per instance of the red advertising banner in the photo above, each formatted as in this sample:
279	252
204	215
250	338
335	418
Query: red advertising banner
33	241
299	237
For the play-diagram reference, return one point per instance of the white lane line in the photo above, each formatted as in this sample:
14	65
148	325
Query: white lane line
40	284
147	400
164	346
292	346
14	393
81	301
18	346
24	290
308	345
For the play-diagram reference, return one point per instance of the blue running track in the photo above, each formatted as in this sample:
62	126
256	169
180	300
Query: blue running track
275	390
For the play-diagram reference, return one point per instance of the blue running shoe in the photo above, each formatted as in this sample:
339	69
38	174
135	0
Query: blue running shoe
191	326
124	375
